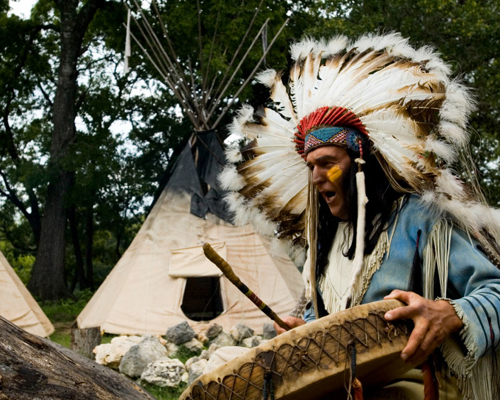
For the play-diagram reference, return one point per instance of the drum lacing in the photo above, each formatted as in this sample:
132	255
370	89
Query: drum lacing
268	388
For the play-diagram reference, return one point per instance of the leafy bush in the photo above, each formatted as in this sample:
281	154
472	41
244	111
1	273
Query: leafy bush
22	264
66	310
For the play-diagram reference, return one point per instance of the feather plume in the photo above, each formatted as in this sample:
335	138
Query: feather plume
415	116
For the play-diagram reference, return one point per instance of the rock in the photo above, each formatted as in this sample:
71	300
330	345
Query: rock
127	339
110	354
213	331
268	331
202	338
223	356
185	377
251	342
240	332
205	355
224	339
162	341
191	361
180	333
196	370
212	349
194	345
172	349
164	372
139	356
201	332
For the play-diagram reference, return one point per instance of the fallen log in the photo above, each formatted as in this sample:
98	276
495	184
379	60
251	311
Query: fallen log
35	368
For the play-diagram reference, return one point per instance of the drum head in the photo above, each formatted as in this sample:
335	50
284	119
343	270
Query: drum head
314	360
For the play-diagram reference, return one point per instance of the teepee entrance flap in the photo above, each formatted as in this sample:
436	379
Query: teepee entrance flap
192	263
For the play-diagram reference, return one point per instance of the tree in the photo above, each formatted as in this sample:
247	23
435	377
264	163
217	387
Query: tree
47	279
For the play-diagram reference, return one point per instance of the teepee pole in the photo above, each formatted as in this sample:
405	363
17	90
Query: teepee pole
179	71
237	52
228	83
157	47
185	106
204	77
249	77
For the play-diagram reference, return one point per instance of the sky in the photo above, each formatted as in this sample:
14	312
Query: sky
21	8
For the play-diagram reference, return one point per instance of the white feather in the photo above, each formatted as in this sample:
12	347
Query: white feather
267	77
449	184
230	179
443	150
335	45
379	86
233	154
453	133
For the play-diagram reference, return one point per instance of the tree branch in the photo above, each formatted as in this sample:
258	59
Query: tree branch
11	195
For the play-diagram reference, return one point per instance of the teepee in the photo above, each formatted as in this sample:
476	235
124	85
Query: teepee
163	278
18	306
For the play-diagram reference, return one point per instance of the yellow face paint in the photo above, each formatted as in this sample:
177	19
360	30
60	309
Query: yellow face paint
334	173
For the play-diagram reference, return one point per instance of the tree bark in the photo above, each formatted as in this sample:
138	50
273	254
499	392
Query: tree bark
32	367
89	248
84	341
47	279
79	276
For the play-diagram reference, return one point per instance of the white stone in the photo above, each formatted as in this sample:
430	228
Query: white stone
240	332
134	362
251	342
205	354
196	370
212	349
224	339
191	361
172	349
194	345
164	372
110	354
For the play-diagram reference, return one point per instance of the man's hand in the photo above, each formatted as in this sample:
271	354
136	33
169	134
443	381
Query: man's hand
434	321
292	322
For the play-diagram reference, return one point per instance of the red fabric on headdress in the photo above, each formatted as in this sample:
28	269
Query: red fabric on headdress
326	116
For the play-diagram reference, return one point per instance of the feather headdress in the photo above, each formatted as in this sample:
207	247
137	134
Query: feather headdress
402	98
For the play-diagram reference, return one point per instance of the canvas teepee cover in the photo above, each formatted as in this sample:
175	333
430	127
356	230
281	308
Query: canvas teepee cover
145	290
18	306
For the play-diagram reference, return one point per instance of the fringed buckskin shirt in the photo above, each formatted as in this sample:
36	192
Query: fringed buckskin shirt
467	279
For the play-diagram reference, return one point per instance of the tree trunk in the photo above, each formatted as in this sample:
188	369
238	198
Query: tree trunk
47	279
83	341
79	276
90	243
32	367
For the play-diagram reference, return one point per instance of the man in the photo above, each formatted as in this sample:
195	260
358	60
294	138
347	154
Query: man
374	198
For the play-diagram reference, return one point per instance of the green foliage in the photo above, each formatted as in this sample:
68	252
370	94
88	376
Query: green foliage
21	263
66	310
184	354
129	125
164	393
62	337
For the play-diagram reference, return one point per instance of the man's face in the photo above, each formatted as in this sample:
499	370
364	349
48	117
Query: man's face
333	159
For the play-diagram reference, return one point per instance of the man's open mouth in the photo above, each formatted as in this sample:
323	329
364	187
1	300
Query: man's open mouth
329	196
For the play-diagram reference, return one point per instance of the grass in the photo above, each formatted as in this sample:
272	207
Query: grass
165	393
